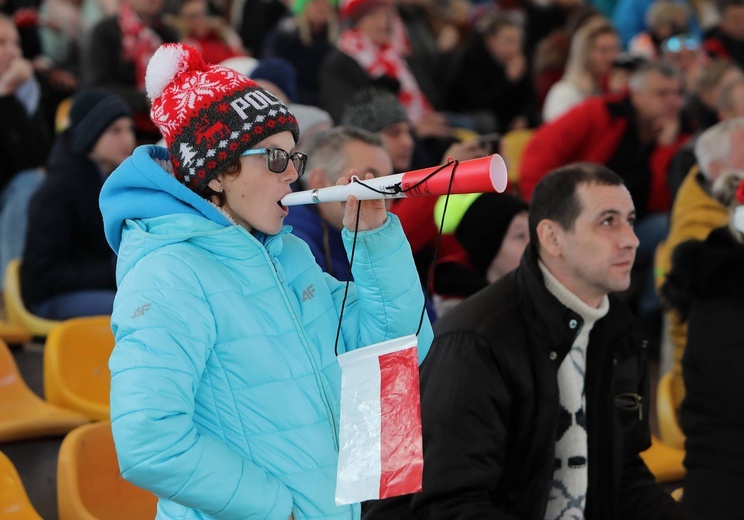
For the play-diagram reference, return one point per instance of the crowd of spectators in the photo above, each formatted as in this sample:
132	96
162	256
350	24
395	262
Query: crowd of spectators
632	85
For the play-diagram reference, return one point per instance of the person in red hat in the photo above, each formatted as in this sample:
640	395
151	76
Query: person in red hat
225	385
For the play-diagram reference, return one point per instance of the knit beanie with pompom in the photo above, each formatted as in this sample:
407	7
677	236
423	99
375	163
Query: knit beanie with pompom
208	114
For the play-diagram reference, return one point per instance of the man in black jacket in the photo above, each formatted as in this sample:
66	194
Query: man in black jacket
535	391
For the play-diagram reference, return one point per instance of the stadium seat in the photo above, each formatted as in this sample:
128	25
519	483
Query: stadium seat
89	485
76	374
16	310
14	503
664	461
24	415
670	431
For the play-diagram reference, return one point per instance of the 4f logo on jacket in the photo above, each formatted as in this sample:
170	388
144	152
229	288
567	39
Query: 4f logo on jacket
141	310
308	293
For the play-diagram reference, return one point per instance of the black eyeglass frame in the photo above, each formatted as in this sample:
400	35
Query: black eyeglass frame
273	155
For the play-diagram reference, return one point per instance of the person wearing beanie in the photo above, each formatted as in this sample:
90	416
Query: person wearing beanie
705	287
493	233
373	49
67	268
279	77
225	387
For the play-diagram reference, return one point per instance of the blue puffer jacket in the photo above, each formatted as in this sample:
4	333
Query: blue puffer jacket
224	383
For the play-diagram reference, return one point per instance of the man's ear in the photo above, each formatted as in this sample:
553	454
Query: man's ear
216	184
317	178
550	235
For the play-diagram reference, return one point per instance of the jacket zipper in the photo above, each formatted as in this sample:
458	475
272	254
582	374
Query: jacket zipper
308	353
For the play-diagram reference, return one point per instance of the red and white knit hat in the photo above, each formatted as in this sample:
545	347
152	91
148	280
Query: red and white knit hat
208	114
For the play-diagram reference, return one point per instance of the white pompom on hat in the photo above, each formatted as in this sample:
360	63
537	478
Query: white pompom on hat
208	114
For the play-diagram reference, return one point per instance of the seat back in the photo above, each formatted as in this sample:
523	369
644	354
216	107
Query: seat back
23	414
513	145
670	430
16	309
14	503
89	485
76	373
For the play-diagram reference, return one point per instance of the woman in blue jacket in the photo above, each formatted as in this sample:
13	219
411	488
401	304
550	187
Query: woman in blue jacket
224	380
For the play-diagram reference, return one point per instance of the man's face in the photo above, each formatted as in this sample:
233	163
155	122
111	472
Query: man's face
505	44
659	98
364	158
732	22
399	144
596	256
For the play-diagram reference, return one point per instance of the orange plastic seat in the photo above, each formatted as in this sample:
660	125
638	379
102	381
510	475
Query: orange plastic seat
24	415
16	310
670	431
89	486
76	374
14	503
665	462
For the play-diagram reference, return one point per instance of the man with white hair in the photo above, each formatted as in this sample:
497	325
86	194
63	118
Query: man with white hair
719	151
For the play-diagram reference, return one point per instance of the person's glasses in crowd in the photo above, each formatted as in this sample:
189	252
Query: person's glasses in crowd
681	42
277	159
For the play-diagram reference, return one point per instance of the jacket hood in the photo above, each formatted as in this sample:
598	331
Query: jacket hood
146	208
143	187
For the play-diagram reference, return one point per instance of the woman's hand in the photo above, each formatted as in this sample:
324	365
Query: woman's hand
373	213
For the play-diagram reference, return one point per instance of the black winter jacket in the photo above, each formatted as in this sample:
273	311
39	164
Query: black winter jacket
66	249
706	286
490	409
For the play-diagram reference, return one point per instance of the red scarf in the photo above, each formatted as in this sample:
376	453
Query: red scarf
386	61
138	41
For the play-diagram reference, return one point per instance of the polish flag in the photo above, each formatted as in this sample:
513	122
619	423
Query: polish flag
380	453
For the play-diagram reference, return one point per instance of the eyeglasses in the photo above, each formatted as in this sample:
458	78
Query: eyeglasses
277	159
680	42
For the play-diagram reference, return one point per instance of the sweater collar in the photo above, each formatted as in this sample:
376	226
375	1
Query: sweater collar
589	314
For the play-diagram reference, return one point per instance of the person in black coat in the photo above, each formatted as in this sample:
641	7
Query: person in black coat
534	395
492	74
705	286
67	269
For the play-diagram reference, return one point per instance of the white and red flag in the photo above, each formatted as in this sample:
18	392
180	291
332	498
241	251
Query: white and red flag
380	452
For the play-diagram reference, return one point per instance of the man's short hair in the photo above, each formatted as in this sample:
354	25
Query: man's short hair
327	151
556	195
725	4
639	78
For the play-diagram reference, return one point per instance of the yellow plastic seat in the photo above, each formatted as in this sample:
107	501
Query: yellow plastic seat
13	334
76	374
14	503
62	115
670	431
677	494
665	462
89	485
24	415
15	308
513	144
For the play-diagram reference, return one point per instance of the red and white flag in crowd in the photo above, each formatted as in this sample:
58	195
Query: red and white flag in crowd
380	453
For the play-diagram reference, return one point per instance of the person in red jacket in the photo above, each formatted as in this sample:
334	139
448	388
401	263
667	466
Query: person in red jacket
634	134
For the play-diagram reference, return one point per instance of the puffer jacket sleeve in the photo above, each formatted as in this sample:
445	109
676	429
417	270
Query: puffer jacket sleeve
165	333
387	299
